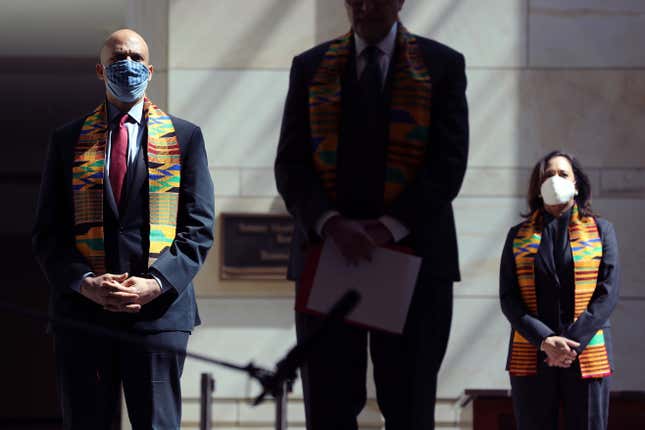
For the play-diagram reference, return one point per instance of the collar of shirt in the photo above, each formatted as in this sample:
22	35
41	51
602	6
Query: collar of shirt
386	46
134	130
135	112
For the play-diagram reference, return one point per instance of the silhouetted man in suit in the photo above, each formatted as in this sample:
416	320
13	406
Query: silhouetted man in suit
124	222
372	152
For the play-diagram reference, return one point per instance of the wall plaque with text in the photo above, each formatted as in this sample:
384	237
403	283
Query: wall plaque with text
254	246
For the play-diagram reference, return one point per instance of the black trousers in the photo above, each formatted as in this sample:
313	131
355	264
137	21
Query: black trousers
405	366
537	400
92	369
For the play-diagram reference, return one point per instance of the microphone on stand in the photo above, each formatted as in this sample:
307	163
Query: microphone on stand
286	368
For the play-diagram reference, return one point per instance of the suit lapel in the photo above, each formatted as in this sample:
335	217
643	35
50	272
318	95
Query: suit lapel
140	173
109	196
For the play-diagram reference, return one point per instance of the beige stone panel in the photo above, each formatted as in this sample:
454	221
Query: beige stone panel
587	33
239	330
623	183
477	348
482	226
250	205
226	182
445	414
258	183
370	417
489	34
594	176
495	182
626	216
224	412
331	19
627	321
240	112
150	19
242	34
264	414
157	90
72	28
518	116
493	98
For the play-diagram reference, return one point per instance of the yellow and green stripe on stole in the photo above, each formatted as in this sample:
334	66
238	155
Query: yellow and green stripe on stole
586	249
164	177
409	113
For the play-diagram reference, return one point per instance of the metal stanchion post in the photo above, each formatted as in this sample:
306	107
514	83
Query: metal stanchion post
281	408
281	405
205	402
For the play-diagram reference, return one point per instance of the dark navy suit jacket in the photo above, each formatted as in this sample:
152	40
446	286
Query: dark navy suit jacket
425	206
548	287
126	231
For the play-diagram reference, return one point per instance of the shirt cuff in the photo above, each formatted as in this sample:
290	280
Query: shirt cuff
320	224
76	286
158	282
543	338
396	228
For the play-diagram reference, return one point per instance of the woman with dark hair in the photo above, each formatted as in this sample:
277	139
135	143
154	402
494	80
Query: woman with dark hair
559	281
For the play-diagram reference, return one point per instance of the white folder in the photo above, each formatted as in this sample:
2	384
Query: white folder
386	285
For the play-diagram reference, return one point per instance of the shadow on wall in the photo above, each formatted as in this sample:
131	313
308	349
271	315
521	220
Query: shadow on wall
39	94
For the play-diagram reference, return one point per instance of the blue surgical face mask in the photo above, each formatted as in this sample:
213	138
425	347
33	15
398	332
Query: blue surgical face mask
127	80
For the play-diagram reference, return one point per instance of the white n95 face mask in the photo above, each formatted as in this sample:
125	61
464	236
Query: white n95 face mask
557	190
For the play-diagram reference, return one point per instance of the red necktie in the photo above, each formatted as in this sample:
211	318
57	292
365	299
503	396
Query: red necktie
119	158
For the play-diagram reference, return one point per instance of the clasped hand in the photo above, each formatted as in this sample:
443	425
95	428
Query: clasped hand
120	293
355	239
559	351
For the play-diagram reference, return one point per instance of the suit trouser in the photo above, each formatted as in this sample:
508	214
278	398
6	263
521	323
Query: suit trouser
92	369
405	366
537	399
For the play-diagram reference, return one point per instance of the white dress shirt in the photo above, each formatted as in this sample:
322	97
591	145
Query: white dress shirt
385	52
133	126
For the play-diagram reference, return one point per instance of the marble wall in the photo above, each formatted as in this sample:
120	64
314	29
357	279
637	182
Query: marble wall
543	74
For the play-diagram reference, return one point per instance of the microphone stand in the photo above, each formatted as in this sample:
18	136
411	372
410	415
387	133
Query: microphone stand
277	383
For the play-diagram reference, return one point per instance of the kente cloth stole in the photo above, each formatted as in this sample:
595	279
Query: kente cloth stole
586	248
409	113
164	176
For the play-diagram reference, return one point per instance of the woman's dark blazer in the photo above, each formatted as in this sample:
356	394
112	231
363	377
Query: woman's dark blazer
595	317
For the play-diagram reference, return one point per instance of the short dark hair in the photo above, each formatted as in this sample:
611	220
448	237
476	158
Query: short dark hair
583	199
